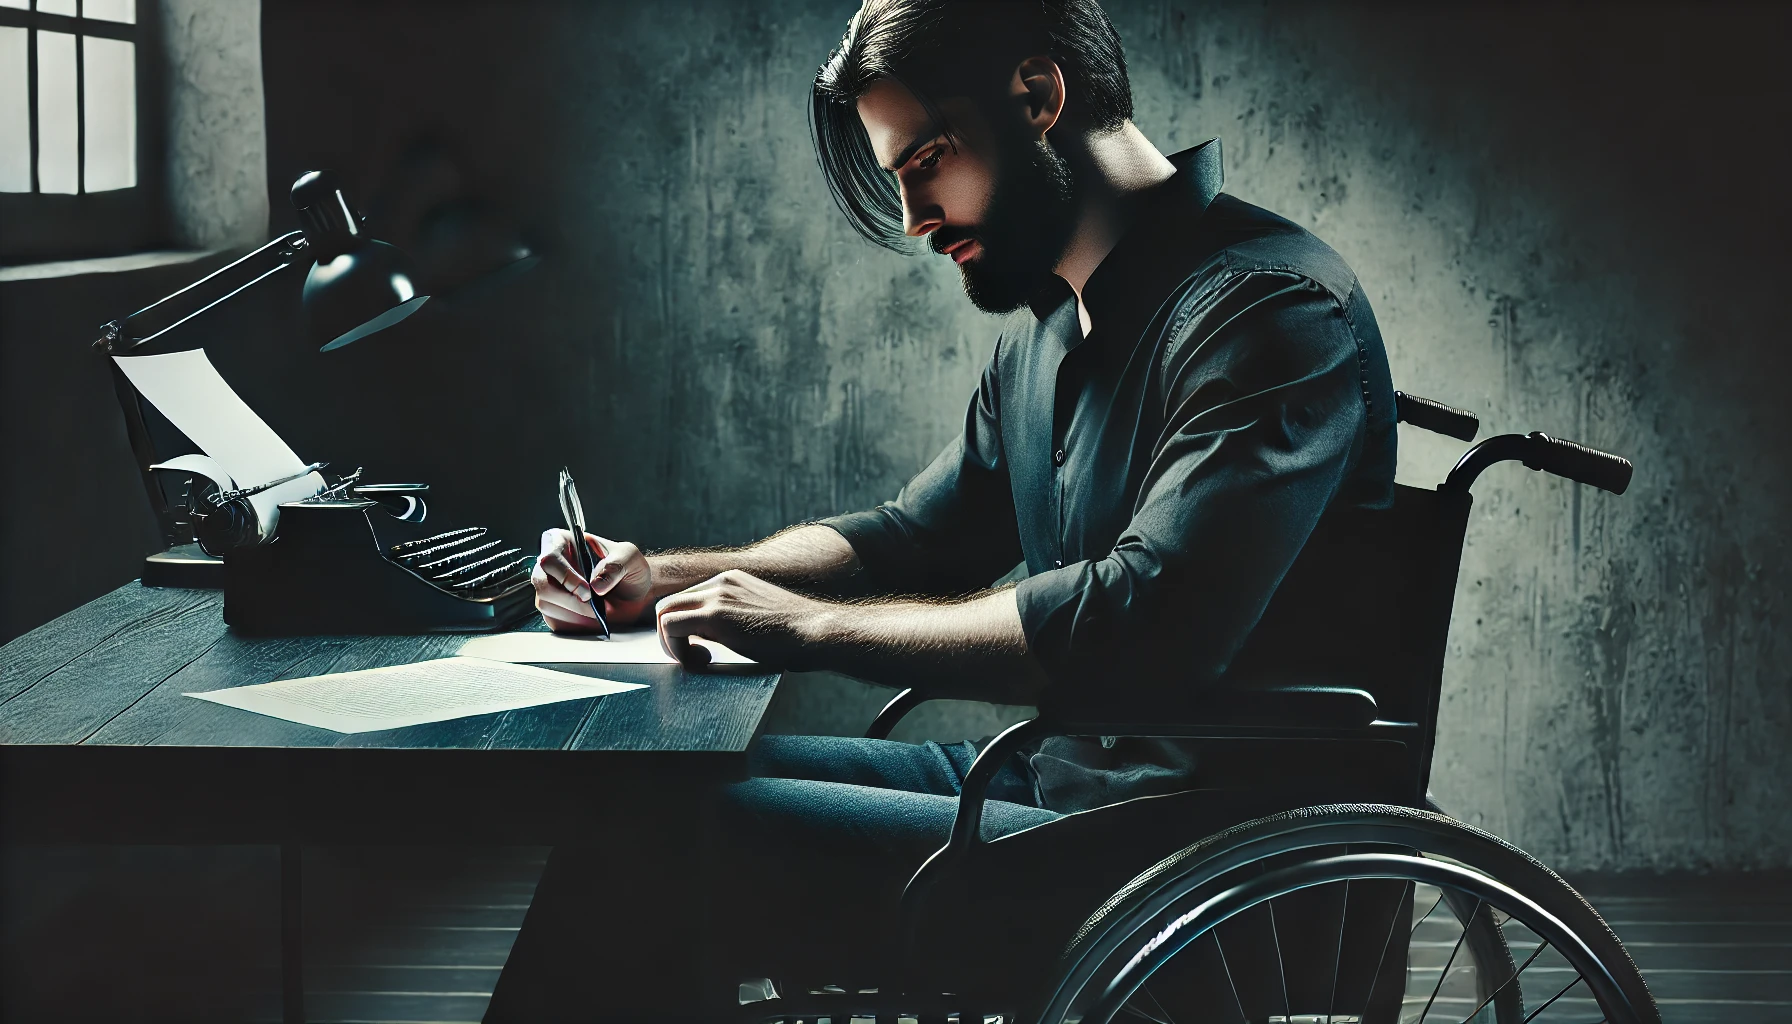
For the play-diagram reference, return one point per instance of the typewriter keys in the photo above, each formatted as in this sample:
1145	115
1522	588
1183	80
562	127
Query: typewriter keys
463	560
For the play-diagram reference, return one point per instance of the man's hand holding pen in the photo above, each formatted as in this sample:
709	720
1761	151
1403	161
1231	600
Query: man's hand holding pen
758	619
622	579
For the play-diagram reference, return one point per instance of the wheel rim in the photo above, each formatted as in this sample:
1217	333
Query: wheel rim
1470	974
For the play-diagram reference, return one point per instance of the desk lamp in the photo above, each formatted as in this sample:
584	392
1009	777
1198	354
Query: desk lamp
355	286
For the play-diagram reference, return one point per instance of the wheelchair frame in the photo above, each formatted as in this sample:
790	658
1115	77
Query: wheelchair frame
1262	700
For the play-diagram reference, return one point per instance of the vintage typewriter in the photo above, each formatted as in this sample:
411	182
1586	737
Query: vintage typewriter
335	556
365	558
353	558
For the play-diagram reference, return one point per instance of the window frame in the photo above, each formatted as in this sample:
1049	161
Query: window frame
38	226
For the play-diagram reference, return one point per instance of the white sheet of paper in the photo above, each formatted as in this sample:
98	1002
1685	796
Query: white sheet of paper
186	388
200	465
373	699
625	647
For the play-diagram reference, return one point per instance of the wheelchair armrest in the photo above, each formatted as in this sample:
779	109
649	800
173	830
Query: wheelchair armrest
893	712
1235	704
1257	705
1299	705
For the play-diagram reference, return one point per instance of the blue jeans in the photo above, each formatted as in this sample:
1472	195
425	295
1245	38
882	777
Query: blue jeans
879	796
814	852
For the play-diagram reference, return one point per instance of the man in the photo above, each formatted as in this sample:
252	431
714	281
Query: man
1183	385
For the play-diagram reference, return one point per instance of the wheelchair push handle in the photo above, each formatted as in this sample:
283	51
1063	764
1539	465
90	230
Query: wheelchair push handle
1540	451
1578	462
1436	417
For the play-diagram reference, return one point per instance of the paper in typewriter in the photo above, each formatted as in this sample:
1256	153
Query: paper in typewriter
186	388
373	699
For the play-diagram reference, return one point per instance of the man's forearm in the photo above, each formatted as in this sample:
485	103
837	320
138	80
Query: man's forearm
974	649
811	558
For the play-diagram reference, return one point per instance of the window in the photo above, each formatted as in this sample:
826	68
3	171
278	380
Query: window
73	83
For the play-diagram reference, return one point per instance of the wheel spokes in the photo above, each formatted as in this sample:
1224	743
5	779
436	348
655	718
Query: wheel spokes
1434	905
1533	1014
1160	1013
1491	996
1236	999
1441	975
1281	962
1331	1004
1388	943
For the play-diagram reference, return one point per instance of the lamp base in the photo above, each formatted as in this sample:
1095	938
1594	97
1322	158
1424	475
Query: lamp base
184	565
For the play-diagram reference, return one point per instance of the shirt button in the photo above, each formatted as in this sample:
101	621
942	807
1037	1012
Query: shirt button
1057	563
1058	457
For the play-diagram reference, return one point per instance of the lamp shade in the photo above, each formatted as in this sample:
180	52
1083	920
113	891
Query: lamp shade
358	285
359	292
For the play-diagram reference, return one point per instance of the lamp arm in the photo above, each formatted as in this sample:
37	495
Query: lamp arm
165	314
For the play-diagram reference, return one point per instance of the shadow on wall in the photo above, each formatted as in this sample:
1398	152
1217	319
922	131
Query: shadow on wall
77	522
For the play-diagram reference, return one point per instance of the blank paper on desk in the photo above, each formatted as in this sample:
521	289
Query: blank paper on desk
426	691
625	647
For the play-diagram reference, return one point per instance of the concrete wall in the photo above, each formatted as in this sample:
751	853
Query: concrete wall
1576	223
216	141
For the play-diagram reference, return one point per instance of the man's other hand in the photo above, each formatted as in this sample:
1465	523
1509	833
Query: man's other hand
622	580
761	620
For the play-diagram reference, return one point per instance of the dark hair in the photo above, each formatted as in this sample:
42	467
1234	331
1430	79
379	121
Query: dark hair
939	48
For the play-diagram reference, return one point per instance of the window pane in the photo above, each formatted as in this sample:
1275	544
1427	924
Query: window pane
15	113
57	7
110	68
23	5
111	10
57	140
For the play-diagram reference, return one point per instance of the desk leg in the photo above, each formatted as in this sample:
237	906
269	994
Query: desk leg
292	934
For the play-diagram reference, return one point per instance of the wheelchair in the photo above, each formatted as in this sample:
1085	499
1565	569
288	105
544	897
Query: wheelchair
1344	897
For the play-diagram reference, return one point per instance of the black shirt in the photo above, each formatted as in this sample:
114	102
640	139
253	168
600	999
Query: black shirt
1159	476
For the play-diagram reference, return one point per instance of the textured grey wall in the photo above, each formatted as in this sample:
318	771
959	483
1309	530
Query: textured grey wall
1567	221
216	140
1560	220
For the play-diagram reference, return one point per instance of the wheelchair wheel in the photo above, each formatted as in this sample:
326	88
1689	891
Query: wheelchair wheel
1347	914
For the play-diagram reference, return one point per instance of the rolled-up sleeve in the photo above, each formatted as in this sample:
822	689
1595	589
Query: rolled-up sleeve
1263	412
952	530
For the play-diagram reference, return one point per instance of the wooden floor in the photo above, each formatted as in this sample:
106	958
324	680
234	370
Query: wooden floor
420	935
1712	949
411	934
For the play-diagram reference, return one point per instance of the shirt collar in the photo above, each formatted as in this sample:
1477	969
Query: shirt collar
1199	176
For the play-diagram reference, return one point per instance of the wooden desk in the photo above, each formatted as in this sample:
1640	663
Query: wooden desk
97	744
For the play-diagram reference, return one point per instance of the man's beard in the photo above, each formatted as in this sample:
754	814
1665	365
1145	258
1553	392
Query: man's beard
1023	234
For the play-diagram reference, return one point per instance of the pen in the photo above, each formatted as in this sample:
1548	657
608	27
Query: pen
575	523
